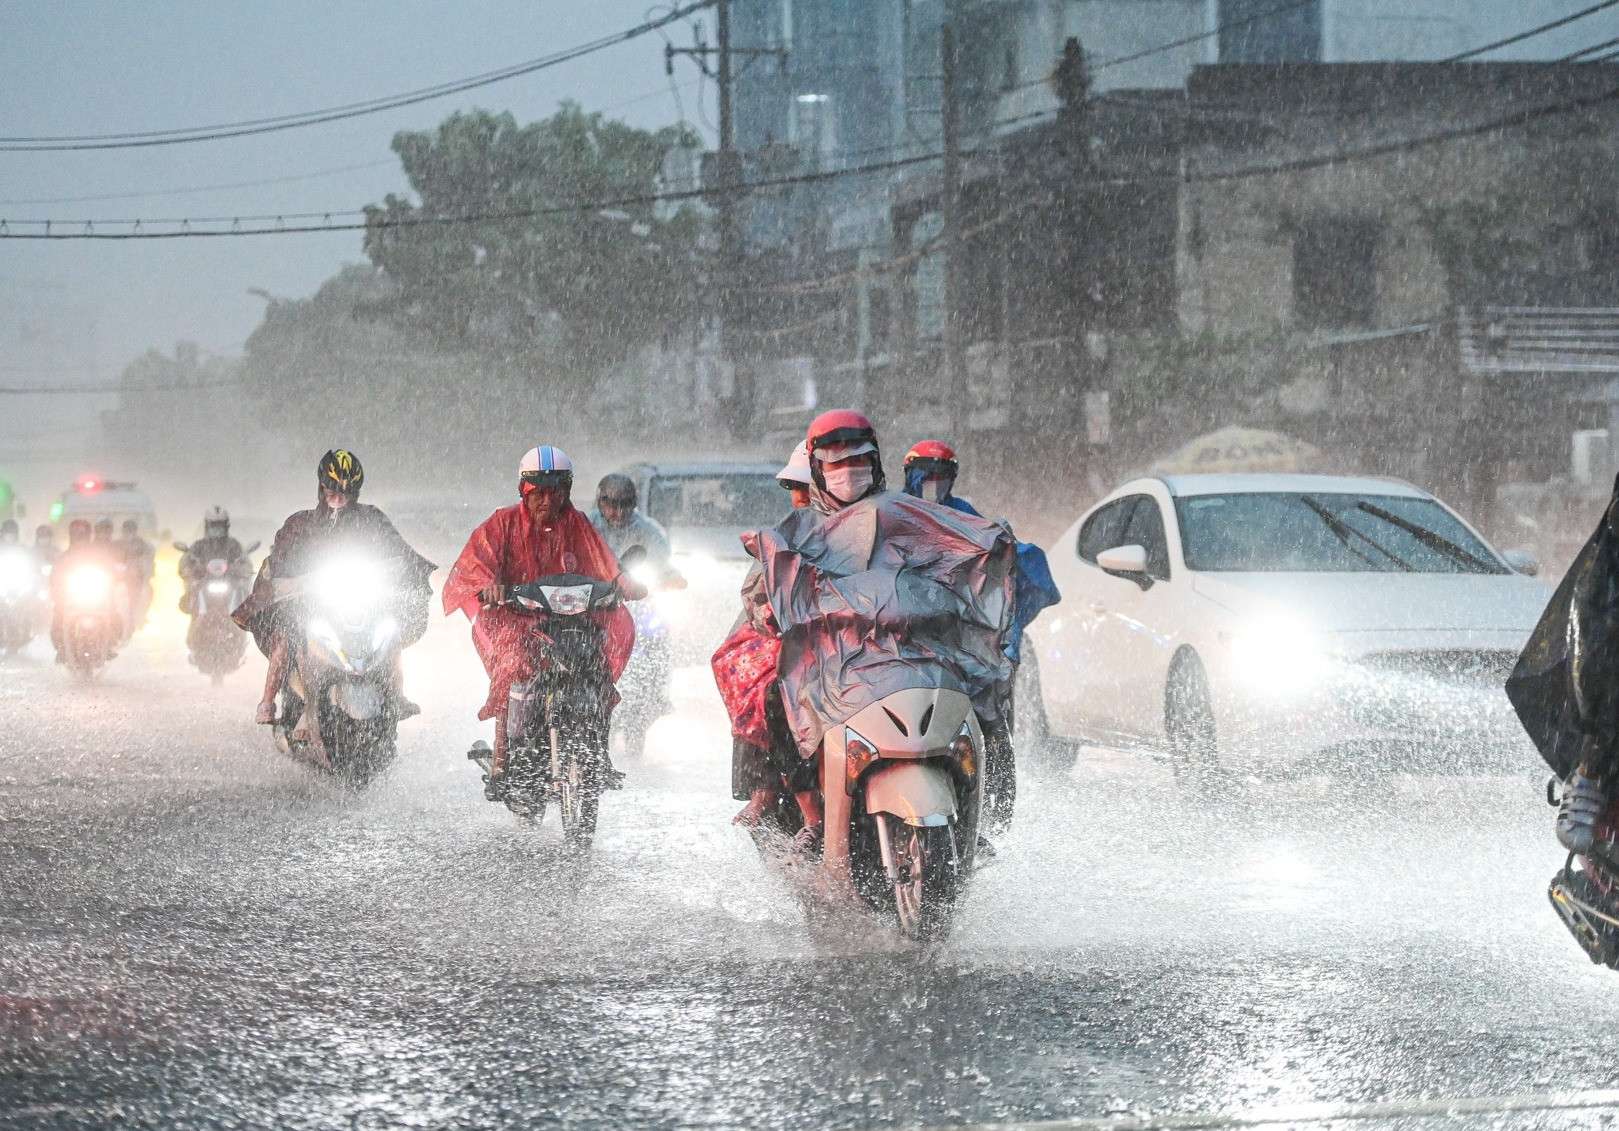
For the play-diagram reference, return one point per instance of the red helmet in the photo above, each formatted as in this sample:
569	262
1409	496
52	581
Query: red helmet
838	435
937	452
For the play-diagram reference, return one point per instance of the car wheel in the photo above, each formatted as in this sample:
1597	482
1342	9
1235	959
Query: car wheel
1040	750
1194	746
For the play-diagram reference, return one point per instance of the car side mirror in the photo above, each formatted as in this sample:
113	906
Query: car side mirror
633	557
181	546
1522	562
1128	562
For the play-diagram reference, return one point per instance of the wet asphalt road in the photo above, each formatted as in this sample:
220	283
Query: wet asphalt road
194	932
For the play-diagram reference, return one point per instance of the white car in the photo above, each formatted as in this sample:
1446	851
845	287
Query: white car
1255	624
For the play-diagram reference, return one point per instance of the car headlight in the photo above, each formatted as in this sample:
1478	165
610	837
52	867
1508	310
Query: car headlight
1280	656
89	586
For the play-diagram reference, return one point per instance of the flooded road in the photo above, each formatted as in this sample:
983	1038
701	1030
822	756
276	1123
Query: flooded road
195	932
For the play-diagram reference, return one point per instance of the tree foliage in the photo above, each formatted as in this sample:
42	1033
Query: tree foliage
534	265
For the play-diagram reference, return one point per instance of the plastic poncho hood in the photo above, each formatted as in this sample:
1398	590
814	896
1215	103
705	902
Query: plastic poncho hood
886	594
1565	686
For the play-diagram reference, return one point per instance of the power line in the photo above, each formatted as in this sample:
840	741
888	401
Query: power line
85	230
1591	50
187	134
108	390
197	189
1532	32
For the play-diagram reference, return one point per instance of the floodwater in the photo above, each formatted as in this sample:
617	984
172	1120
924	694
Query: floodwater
195	932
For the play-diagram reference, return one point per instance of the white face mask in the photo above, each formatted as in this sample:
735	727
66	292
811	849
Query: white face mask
847	484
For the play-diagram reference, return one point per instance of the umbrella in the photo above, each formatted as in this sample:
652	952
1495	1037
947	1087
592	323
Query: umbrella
1241	449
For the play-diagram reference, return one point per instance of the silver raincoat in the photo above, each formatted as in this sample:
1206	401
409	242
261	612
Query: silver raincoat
886	594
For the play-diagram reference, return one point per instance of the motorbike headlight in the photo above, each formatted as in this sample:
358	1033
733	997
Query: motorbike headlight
89	586
698	569
568	600
1278	657
647	575
219	588
350	587
16	573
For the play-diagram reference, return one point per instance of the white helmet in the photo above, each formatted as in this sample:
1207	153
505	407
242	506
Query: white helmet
216	522
216	514
797	470
546	466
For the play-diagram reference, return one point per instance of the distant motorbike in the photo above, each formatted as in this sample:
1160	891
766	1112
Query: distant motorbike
343	674
217	646
559	753
92	617
20	583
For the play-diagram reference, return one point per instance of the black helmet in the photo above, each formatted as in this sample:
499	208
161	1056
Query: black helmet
78	531
618	488
103	530
43	533
340	471
131	527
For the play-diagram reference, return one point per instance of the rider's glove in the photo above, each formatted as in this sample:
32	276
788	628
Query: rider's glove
494	595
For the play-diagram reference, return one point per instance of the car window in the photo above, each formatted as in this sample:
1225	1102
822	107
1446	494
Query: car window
746	500
1322	532
1145	528
1105	529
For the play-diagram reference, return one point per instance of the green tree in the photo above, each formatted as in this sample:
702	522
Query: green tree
530	235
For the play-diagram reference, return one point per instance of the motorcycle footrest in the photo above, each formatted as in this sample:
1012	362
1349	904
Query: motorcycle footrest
1575	897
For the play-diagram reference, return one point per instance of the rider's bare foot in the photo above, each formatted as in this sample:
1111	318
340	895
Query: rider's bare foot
265	715
759	803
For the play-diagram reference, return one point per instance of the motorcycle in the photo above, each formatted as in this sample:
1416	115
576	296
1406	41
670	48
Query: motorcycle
644	686
19	598
342	677
217	646
91	617
557	749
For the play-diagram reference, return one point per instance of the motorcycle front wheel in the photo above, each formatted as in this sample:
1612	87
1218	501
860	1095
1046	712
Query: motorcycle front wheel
581	797
925	896
359	749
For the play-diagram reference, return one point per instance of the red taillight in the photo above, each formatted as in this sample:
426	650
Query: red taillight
89	486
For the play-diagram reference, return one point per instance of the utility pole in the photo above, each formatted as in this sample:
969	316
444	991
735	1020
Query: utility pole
722	183
955	371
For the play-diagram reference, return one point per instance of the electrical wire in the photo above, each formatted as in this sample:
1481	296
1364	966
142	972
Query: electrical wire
85	230
198	189
1591	50
1532	32
187	134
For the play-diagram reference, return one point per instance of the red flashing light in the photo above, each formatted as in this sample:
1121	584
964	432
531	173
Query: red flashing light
89	486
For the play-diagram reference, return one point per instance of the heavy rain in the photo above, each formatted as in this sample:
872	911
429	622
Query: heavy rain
493	631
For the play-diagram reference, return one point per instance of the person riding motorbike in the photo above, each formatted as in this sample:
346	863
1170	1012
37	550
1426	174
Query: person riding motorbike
216	544
931	470
140	564
82	549
338	522
795	477
842	466
541	535
621	523
20	575
45	544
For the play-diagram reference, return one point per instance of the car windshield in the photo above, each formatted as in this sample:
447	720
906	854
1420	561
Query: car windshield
1303	532
741	499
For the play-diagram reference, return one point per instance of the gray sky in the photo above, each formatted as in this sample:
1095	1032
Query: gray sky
73	66
79	312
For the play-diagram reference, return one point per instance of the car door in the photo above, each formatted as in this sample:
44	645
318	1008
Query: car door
1138	630
1072	653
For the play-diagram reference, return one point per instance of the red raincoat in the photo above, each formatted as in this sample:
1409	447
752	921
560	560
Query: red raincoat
510	548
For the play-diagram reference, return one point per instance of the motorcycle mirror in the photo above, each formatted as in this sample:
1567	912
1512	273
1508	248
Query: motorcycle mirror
250	547
181	546
632	557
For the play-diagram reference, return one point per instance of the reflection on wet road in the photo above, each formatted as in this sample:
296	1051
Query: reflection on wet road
195	932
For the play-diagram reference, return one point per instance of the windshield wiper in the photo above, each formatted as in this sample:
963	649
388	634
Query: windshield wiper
1343	530
1428	538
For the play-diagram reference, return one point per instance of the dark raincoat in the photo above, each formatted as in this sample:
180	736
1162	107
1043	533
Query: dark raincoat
511	548
1565	686
888	593
310	539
